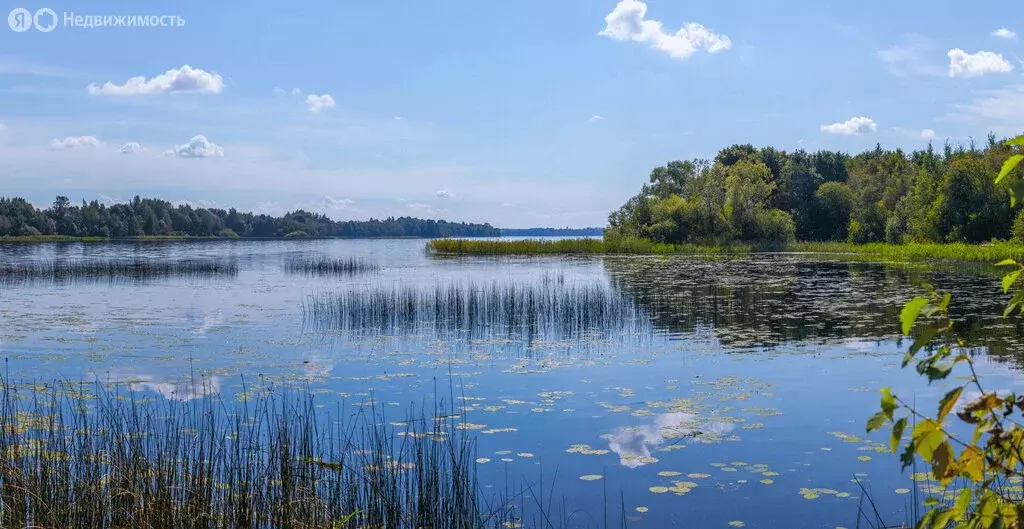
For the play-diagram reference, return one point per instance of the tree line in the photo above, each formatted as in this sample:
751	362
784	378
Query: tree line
155	217
770	195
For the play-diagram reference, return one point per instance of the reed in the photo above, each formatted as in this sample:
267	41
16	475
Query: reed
75	455
115	269
330	267
550	308
988	252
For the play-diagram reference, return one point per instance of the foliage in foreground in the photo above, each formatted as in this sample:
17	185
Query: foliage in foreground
74	458
988	464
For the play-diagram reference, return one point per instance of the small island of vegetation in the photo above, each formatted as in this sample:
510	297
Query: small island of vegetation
921	204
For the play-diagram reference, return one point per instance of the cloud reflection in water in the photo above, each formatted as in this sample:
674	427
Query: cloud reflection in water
633	444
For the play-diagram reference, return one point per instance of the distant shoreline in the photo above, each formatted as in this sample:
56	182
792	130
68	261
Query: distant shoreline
181	238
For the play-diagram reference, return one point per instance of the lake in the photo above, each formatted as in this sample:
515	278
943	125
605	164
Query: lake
678	391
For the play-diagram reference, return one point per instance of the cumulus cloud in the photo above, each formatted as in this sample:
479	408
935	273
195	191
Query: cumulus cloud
927	134
595	118
296	92
175	80
197	147
853	126
317	103
75	142
444	193
963	64
130	147
628	21
1004	33
278	91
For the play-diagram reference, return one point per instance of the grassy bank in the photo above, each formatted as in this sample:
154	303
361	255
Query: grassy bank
989	252
574	247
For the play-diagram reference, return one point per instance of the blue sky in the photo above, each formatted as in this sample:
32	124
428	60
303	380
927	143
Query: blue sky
523	113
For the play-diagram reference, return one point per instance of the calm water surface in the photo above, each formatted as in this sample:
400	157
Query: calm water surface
733	383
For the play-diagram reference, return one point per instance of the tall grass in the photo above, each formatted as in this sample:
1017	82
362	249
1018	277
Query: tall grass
525	246
550	308
330	266
79	456
115	269
989	252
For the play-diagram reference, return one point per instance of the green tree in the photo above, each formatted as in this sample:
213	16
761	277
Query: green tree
833	202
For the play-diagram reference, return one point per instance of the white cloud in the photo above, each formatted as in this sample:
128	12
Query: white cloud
963	64
853	126
278	91
75	142
337	203
318	103
107	200
595	118
444	193
296	92
197	147
3	127
1001	110
628	22
1004	33
175	80
130	147
912	57
927	134
418	206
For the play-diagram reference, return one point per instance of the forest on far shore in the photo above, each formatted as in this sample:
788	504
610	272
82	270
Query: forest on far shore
154	217
770	195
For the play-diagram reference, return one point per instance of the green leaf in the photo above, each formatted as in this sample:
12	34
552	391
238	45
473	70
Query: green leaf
1006	262
941	519
1015	301
962	503
1009	165
1009	279
897	434
972	462
888	402
947	402
1019	140
927	437
910	312
876	421
1016	192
